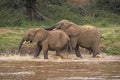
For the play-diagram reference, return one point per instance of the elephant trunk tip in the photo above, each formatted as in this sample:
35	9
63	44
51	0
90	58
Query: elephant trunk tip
19	49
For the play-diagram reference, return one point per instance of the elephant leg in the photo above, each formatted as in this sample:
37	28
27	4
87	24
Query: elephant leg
67	49
45	51
45	54
58	52
77	52
38	50
73	42
90	50
95	53
95	50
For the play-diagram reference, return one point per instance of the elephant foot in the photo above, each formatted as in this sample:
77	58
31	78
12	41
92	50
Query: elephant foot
94	56
79	57
45	57
35	56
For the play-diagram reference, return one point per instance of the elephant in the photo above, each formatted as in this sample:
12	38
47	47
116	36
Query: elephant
86	36
55	40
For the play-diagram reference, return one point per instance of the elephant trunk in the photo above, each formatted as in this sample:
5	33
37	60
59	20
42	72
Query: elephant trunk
50	28
20	45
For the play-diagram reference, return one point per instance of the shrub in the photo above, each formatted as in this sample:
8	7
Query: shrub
113	5
113	50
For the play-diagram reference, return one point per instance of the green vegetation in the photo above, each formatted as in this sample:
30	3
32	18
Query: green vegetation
113	36
113	50
105	18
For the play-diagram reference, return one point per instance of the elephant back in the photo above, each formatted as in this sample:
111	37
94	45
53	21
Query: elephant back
89	35
58	34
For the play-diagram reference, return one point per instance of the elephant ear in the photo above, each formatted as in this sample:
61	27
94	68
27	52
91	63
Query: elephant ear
69	27
40	35
73	30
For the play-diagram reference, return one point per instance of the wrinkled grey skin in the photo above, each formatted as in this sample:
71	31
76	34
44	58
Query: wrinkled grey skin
55	40
86	36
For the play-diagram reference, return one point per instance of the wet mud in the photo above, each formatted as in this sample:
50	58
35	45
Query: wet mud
27	68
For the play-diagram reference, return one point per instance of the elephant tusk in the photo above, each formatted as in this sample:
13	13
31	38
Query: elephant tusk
55	29
24	42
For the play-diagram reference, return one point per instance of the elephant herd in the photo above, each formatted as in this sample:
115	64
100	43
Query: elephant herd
64	36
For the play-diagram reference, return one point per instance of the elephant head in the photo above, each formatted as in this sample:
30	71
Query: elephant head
69	27
34	35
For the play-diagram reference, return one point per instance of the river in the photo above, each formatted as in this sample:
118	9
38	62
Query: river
26	68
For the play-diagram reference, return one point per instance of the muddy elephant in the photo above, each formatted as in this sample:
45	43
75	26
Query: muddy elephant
86	36
55	40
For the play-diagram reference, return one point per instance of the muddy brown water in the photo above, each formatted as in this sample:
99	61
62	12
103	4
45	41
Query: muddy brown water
26	68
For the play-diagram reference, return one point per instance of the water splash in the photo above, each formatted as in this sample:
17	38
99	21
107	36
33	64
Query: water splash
72	58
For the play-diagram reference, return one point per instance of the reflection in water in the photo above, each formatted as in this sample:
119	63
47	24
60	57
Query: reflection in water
77	78
18	73
82	69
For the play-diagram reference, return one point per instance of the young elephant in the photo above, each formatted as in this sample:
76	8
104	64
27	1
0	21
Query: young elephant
56	40
86	36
